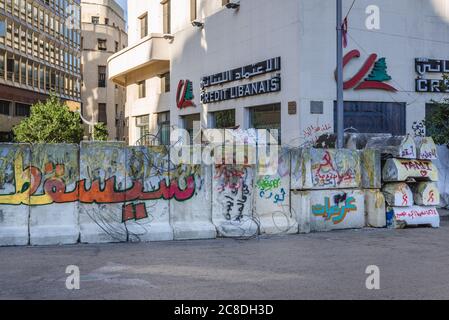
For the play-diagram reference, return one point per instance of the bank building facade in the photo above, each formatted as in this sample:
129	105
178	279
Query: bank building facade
267	64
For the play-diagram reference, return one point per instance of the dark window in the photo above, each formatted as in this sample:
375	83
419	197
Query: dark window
102	44
102	115
4	107
163	122
116	46
224	119
267	117
22	110
95	20
102	76
106	21
374	117
189	125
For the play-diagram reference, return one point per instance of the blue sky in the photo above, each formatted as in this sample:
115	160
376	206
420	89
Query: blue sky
123	4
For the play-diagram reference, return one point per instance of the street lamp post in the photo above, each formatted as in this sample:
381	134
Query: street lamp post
340	102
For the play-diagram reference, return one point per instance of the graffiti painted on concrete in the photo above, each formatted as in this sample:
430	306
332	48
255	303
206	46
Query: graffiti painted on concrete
27	180
337	212
329	173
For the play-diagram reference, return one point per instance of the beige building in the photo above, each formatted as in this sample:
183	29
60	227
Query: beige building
103	29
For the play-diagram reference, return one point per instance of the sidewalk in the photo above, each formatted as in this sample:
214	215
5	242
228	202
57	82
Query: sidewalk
444	213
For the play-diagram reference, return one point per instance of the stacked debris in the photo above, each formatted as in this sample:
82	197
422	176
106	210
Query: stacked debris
409	180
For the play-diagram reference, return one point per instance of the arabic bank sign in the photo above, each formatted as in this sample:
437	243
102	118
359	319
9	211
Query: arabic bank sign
426	66
244	90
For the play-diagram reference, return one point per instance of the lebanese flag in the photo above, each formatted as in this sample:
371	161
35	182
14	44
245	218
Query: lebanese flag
345	32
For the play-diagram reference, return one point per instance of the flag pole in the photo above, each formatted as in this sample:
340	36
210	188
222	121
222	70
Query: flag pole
340	101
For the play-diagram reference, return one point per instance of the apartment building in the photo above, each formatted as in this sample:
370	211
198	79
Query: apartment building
103	29
271	65
39	54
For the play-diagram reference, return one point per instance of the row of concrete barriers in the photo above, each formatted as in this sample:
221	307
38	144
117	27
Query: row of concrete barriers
108	192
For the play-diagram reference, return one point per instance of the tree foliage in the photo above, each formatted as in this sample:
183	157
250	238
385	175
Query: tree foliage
101	132
50	122
437	123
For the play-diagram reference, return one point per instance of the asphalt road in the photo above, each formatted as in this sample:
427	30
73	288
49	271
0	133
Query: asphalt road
414	264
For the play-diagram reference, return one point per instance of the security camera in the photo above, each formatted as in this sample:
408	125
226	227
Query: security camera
197	24
168	37
233	5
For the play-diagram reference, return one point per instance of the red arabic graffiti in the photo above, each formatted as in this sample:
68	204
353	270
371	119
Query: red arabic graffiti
326	174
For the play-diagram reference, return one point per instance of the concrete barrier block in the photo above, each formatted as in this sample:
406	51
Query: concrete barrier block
301	208
297	177
232	201
398	195
375	209
403	147
399	218
15	189
426	194
191	212
54	205
146	213
359	141
400	170
337	209
371	169
331	169
102	192
272	199
426	148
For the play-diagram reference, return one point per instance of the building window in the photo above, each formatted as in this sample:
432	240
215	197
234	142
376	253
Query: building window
193	10
189	123
102	114
223	119
166	8
95	20
106	21
116	46
102	44
374	117
143	130
143	25
2	64
165	82
163	123
22	110
142	89
4	107
2	29
267	117
102	76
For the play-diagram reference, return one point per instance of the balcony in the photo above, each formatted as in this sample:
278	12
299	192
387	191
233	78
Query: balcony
147	58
